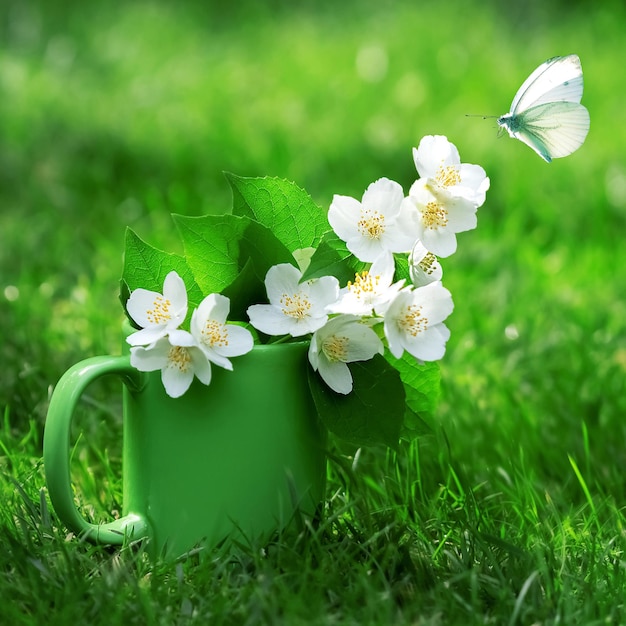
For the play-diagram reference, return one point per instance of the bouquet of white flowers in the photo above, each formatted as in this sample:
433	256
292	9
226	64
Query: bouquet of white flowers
361	283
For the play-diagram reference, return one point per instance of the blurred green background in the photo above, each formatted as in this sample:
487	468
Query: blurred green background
116	114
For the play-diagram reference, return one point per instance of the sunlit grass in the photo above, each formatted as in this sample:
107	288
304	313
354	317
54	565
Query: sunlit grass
512	512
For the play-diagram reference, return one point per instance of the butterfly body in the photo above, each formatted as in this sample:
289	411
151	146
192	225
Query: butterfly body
546	113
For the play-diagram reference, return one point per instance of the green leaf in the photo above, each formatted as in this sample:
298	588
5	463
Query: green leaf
219	248
283	207
372	413
263	248
332	258
402	268
147	267
246	289
211	245
422	387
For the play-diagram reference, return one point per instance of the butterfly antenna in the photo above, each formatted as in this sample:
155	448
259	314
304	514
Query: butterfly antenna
485	117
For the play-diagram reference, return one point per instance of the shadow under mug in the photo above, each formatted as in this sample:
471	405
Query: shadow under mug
240	456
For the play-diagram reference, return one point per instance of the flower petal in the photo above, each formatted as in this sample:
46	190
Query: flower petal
176	381
383	196
440	242
365	249
433	152
267	318
313	353
474	183
336	375
461	214
215	307
322	292
154	310
424	267
363	343
436	300
175	291
146	336
139	303
240	341
394	340
346	339
429	345
152	358
181	338
281	279
201	366
343	216
413	322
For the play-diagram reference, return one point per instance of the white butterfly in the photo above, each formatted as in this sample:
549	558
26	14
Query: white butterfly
546	113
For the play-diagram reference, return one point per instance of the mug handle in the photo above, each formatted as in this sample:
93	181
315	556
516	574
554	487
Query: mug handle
56	448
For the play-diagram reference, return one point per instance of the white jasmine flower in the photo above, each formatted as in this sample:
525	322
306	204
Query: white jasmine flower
295	308
439	216
156	313
371	289
414	322
376	225
344	339
179	359
424	268
438	163
217	339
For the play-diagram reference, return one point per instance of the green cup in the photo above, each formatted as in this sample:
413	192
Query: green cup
241	456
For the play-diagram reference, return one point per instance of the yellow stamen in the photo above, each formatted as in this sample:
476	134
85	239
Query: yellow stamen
336	348
428	263
448	176
160	312
371	224
413	322
435	215
296	305
364	284
179	358
215	334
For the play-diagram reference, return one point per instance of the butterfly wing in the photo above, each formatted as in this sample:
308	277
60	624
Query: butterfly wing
553	129
559	79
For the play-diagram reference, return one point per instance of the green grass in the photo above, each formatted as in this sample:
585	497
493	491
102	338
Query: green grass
513	511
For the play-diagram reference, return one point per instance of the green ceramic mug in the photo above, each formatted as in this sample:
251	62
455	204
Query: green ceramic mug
239	456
